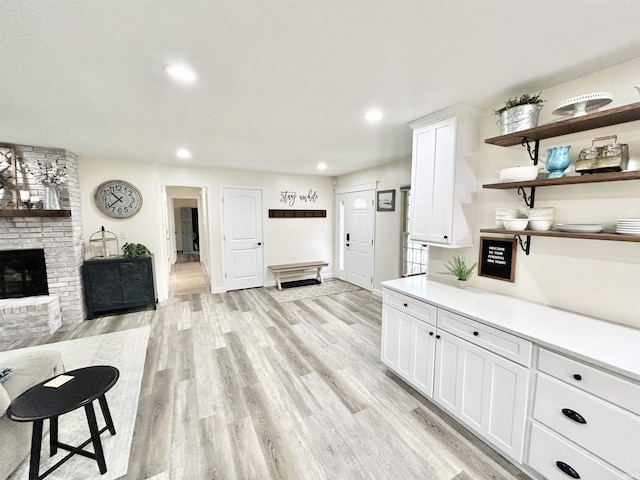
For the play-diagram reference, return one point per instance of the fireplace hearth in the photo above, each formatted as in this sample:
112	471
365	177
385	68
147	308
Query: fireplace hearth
23	273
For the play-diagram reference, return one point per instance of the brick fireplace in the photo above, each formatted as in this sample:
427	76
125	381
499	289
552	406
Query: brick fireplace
63	244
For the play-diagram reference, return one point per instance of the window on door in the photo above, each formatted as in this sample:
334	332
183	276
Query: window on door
415	256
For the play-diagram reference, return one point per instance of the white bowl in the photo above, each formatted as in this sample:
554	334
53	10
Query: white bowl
515	223
519	174
499	223
540	224
507	211
538	211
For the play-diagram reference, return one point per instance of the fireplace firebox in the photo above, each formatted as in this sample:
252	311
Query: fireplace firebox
23	273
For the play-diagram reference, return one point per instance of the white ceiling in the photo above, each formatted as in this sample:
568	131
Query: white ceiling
283	85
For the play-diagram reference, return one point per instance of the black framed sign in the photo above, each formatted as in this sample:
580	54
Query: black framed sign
498	258
386	201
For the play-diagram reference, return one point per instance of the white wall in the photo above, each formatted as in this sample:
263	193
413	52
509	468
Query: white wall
597	278
285	240
387	224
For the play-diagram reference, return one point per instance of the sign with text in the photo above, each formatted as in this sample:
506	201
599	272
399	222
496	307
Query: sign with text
498	258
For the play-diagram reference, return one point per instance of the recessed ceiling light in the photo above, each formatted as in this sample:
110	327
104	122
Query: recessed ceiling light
183	153
322	166
373	115
180	72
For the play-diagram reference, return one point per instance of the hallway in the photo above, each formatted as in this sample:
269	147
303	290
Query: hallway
187	276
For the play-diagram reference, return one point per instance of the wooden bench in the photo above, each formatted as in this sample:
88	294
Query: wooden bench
295	269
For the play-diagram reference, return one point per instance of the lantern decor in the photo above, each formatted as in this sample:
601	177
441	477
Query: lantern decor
104	244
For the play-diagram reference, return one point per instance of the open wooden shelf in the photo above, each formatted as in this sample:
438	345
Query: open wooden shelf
605	118
589	178
609	236
12	212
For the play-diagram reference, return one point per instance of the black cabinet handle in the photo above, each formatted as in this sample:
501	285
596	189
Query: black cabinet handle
405	304
577	376
438	337
445	237
573	415
567	470
431	333
476	333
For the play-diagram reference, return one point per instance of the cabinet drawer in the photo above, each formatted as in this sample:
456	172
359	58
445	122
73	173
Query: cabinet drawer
619	391
420	310
497	341
604	429
547	448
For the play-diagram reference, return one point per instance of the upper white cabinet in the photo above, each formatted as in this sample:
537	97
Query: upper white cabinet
443	177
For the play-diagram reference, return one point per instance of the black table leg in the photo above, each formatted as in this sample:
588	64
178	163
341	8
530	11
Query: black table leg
107	414
36	440
95	436
53	436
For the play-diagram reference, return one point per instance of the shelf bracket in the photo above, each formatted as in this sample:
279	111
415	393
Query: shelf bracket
524	245
533	153
528	200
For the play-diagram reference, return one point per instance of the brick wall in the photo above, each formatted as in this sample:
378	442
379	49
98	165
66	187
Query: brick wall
60	237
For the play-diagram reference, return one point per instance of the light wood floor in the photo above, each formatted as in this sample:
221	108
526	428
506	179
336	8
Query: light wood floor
238	386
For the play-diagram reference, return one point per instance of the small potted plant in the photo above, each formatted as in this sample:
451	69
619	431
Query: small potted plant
131	250
458	267
519	113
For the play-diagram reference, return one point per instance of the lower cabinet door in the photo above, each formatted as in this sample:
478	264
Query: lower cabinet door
389	340
423	341
486	392
408	348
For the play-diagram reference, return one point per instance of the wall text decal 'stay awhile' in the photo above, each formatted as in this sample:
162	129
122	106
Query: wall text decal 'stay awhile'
290	197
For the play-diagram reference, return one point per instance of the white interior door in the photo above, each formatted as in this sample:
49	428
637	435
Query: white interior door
244	256
359	216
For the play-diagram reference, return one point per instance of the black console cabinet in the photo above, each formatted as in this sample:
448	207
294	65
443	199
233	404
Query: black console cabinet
118	283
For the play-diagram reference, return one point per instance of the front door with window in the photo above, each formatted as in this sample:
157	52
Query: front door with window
356	216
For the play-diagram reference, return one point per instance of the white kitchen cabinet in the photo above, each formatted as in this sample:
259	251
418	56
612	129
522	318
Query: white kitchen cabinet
443	177
483	390
408	341
503	364
582	405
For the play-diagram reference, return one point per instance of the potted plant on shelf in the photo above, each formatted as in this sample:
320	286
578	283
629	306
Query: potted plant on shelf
131	250
519	113
458	267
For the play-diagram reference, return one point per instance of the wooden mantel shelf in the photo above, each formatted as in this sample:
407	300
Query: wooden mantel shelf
12	212
604	118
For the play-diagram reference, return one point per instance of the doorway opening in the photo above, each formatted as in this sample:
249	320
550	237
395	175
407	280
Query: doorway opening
186	240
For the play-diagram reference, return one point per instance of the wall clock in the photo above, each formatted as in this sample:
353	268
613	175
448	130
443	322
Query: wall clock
118	199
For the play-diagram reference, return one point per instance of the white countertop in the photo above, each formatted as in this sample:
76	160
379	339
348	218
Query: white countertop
609	345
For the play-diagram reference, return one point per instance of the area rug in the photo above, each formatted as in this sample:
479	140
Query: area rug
329	287
125	350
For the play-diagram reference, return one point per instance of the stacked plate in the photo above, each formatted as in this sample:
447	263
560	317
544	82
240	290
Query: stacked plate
628	226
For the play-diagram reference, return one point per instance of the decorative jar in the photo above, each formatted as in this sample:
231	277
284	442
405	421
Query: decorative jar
557	161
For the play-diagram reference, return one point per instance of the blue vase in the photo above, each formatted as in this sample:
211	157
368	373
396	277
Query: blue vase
557	161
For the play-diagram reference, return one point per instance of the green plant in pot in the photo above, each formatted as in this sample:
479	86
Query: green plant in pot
459	268
131	250
519	113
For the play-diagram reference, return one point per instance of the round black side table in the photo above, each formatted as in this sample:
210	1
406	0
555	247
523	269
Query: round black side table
40	403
